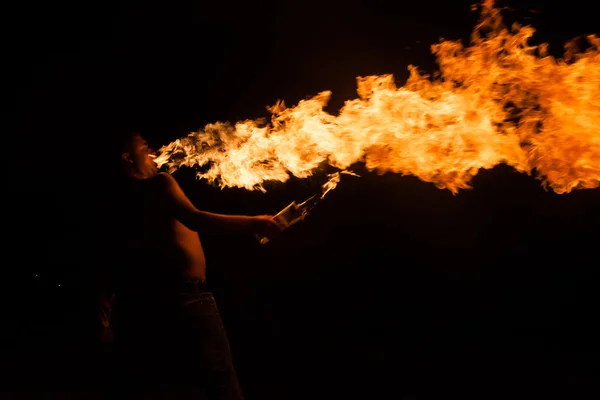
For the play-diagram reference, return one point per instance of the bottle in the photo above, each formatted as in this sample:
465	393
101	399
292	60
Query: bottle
292	214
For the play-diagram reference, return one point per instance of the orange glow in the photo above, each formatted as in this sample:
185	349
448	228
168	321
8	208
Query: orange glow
499	100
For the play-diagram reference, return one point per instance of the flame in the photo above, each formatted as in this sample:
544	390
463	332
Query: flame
333	181
331	184
499	100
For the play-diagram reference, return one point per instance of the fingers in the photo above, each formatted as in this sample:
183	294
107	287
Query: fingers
104	313
275	228
278	225
268	225
104	319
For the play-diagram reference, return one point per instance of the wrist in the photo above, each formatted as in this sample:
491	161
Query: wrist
240	223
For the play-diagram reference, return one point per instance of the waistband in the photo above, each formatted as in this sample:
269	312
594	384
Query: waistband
189	286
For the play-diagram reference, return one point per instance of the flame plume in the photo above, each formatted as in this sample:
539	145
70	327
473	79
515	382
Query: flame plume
499	100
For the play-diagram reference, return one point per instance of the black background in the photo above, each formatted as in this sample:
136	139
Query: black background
390	289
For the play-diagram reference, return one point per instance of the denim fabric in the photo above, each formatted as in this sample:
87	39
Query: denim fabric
182	348
205	337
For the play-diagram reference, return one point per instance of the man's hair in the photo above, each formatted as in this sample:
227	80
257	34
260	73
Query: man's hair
124	141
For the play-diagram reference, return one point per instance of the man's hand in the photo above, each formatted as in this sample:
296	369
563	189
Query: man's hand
104	305
265	225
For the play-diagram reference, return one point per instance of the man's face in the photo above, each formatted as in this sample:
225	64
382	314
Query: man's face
141	157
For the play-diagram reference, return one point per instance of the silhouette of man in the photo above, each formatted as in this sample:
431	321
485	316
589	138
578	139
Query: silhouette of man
168	331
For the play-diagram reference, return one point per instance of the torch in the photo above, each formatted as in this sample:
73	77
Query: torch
292	214
296	212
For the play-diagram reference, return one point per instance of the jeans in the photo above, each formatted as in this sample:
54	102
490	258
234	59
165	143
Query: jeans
183	349
206	342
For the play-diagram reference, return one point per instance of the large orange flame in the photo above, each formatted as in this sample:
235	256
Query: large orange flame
499	100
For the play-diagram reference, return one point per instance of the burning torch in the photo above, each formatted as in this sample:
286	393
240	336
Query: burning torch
296	212
292	214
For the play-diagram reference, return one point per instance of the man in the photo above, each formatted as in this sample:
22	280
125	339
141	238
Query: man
168	332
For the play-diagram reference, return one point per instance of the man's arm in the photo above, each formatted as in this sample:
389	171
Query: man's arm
185	211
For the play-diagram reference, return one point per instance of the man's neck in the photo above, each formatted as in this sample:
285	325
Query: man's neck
136	175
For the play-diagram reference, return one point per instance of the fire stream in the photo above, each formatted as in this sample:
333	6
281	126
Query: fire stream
500	100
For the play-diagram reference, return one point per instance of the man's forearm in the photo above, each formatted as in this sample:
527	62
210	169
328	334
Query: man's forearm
233	223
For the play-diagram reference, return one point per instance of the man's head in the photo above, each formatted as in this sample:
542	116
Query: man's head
137	157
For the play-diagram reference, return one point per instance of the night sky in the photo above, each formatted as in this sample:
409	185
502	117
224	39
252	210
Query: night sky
390	289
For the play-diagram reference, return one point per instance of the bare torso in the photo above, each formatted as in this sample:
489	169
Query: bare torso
162	234
188	243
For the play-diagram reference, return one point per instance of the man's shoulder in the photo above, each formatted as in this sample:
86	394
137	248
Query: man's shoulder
163	182
162	178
